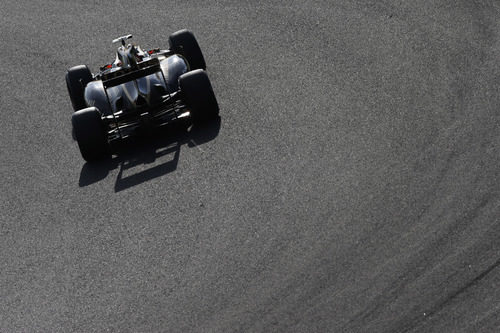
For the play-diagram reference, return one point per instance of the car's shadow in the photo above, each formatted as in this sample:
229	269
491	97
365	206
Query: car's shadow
147	150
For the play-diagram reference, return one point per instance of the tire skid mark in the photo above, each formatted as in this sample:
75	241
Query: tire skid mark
452	296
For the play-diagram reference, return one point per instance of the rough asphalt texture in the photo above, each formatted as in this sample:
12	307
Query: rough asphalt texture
352	184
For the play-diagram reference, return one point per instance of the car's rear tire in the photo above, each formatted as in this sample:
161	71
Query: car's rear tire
76	79
198	95
184	43
90	134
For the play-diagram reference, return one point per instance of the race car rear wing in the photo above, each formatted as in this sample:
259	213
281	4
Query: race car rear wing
127	74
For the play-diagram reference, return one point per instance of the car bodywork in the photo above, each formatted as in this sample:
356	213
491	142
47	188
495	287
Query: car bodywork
138	95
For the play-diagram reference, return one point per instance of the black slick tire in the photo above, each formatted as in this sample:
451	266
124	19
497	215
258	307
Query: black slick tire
76	79
184	43
90	134
198	95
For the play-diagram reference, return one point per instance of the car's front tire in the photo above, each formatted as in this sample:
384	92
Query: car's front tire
198	95
90	133
184	43
76	79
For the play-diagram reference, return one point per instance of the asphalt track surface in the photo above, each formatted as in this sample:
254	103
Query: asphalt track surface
351	185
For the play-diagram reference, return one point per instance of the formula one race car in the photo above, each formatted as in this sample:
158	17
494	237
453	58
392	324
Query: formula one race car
139	91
